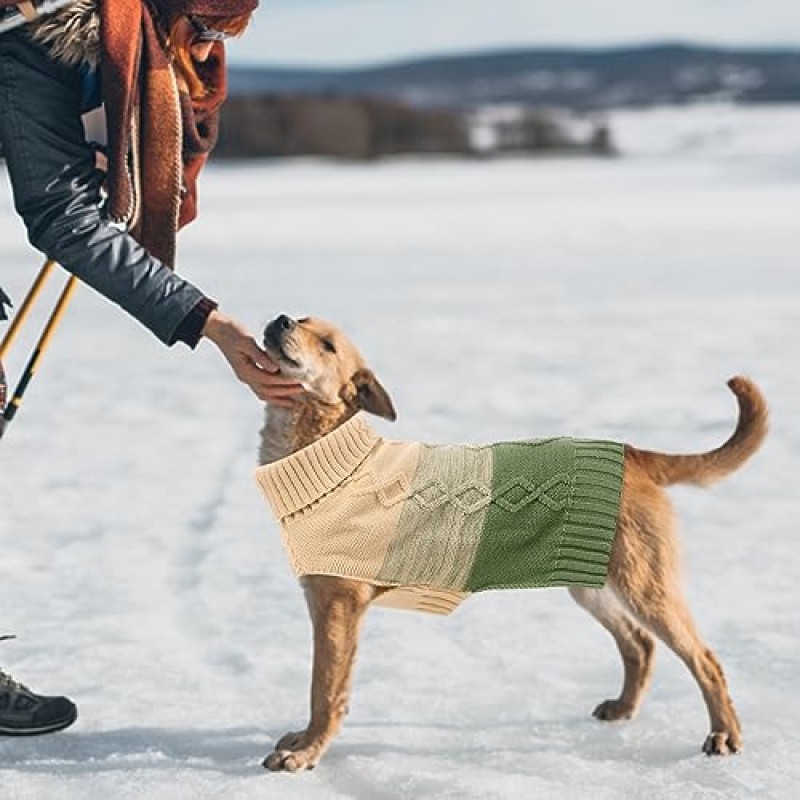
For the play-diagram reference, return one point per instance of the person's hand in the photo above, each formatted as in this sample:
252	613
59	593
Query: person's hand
249	362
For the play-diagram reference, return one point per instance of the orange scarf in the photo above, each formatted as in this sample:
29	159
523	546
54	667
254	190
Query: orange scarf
158	139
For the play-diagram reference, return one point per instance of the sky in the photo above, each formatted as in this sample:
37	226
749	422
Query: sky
352	32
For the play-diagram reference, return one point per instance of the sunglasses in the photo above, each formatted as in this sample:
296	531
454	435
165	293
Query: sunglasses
202	33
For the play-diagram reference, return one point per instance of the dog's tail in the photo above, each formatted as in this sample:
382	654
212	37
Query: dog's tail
703	469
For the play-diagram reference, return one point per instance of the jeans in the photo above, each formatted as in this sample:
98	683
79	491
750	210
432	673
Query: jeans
57	189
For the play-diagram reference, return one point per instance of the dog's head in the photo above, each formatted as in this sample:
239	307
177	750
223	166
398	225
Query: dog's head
318	355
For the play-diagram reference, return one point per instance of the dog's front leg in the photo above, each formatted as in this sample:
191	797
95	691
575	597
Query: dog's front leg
337	606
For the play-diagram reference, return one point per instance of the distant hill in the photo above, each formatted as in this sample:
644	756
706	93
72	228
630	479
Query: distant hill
578	79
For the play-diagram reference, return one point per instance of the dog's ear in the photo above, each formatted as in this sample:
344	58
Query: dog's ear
371	396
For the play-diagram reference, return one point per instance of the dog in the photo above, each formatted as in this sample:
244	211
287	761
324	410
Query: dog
639	601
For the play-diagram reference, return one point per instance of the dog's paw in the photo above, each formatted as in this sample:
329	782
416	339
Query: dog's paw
722	743
612	710
292	760
294	740
293	753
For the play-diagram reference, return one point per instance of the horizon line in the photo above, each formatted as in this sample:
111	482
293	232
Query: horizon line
446	54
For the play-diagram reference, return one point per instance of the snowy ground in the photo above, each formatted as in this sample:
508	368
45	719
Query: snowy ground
145	578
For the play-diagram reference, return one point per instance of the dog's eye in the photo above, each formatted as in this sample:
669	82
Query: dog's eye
328	345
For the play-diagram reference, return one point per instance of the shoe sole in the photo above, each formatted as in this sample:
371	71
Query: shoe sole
50	728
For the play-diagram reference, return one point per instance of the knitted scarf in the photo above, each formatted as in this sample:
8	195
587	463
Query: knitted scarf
158	137
435	523
168	136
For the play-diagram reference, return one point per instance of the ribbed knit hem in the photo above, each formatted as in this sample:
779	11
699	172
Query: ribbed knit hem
592	514
422	598
191	328
303	478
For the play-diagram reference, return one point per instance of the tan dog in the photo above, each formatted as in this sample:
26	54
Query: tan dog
642	596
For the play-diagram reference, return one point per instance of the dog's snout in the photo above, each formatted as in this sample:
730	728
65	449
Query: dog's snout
277	329
285	323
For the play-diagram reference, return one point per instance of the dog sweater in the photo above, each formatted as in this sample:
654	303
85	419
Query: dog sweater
437	522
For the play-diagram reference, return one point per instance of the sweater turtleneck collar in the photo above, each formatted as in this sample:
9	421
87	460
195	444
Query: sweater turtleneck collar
303	478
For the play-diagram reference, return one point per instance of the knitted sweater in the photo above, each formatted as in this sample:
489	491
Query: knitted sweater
437	522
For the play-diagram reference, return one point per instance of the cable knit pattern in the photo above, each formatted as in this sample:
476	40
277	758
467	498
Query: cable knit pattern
437	522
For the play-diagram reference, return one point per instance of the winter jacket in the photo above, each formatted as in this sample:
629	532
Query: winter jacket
115	231
437	522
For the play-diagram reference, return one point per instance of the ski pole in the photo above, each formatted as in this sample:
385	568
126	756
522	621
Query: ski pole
42	345
27	304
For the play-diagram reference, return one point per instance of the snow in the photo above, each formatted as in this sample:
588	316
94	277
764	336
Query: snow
144	575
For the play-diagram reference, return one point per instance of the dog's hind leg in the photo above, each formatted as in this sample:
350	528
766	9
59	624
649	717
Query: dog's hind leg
671	622
635	644
644	575
337	606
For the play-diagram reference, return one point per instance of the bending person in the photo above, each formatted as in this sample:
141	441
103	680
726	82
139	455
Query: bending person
158	68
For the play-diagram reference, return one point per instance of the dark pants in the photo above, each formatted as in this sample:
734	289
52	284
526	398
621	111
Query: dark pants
57	189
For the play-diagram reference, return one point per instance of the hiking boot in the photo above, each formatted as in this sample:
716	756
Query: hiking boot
24	713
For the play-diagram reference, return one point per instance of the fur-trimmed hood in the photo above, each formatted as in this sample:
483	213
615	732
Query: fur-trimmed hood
72	34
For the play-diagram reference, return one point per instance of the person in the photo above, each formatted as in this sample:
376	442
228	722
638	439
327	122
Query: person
110	214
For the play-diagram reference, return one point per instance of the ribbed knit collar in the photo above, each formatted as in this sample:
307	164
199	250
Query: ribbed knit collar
297	481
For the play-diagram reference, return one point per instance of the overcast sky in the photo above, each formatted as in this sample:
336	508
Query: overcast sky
341	32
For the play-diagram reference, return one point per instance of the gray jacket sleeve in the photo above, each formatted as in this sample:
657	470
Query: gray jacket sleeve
57	191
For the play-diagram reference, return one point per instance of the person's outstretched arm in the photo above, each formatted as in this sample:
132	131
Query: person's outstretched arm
58	194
